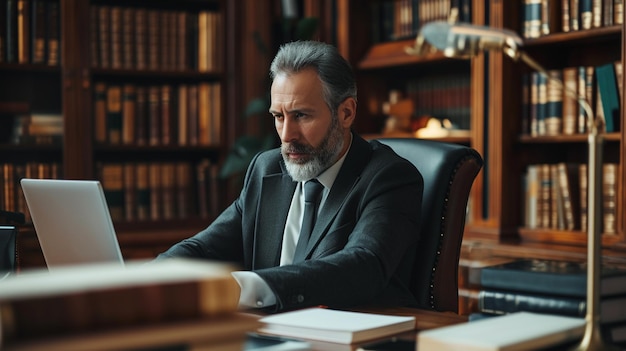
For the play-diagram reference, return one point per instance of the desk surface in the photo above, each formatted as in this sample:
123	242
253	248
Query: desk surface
227	333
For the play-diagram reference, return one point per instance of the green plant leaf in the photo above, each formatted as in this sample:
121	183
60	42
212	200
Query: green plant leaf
305	28
240	155
257	106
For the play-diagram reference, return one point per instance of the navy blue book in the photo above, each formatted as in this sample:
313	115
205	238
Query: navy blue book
503	302
550	277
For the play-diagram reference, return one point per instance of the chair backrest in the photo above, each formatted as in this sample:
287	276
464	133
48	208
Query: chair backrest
449	171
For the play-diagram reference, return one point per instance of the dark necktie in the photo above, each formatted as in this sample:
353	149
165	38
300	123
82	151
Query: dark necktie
312	195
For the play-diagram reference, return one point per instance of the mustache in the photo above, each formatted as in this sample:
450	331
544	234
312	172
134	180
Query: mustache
297	148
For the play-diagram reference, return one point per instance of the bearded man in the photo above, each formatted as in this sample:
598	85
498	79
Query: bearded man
361	247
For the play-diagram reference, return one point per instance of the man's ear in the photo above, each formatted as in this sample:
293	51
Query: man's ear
347	112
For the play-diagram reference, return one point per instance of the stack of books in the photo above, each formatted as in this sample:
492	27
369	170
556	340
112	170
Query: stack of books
552	287
142	305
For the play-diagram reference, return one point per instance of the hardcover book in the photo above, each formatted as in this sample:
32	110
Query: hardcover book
551	277
343	327
78	299
515	331
503	302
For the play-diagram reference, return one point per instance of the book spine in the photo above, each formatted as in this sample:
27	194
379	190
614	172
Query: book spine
114	114
11	31
112	175
554	105
143	191
502	302
104	33
24	20
609	198
128	36
609	94
544	283
130	191
129	109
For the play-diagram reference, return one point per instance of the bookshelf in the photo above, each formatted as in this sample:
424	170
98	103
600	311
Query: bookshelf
515	147
498	124
378	53
139	89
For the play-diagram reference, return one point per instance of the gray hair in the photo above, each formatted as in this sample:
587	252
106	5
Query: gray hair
334	71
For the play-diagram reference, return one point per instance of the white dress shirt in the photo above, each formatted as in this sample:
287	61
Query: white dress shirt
254	290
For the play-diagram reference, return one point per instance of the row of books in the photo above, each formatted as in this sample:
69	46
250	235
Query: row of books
153	39
552	287
37	128
544	17
11	196
551	106
30	32
442	96
155	115
556	196
159	190
401	19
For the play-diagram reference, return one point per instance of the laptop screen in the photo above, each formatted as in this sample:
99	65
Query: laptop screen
72	221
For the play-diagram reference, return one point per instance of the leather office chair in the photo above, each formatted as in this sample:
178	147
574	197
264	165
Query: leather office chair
449	171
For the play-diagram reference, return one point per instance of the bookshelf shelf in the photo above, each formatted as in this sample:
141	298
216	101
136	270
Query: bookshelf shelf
27	67
594	35
154	75
394	53
563	236
575	138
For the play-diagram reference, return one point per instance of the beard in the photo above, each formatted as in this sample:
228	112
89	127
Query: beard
321	157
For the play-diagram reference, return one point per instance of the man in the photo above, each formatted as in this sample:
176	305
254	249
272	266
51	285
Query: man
362	246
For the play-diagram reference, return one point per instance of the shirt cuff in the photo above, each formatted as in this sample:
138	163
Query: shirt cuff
255	292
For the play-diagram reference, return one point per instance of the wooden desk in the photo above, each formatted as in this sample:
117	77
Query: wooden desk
424	319
226	334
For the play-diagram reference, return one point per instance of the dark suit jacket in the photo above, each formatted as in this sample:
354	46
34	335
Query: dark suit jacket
362	247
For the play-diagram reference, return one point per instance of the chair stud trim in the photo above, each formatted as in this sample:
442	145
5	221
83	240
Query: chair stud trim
443	229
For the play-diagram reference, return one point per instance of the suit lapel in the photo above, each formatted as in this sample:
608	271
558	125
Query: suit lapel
276	194
347	178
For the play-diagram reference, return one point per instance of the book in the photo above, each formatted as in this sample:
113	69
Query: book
515	331
568	182
114	114
53	44
143	191
129	113
112	177
612	309
570	103
225	333
100	112
106	297
38	32
609	94
554	103
551	277
23	31
609	198
329	325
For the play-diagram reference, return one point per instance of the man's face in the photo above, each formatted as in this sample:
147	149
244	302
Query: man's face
312	137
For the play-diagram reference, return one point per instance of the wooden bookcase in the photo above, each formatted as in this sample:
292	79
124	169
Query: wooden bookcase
382	66
496	223
511	149
68	88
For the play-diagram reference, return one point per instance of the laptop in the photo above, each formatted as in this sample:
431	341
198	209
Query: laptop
72	221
